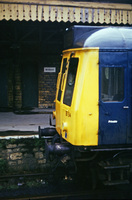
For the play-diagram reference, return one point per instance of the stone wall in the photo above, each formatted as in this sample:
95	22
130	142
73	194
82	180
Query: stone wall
22	155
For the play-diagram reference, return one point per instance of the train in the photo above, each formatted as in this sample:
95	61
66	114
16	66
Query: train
93	103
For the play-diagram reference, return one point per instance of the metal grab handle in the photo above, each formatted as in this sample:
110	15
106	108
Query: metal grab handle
58	80
62	83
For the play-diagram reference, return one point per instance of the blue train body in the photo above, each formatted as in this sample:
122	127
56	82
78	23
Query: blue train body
94	123
115	78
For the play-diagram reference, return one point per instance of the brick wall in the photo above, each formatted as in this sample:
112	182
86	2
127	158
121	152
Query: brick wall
17	87
47	82
37	42
10	86
14	87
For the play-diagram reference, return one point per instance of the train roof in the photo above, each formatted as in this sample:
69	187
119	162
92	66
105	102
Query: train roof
98	36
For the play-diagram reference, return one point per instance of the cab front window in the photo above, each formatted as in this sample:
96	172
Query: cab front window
63	71
70	83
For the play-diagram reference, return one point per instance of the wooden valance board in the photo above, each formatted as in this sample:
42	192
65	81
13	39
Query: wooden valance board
72	11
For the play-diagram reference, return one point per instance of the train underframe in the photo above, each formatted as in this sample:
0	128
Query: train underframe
111	164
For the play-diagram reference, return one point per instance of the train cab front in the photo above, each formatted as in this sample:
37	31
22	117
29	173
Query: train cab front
77	97
76	103
64	95
64	114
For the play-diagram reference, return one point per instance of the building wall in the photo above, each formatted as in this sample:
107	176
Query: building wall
40	48
17	88
10	87
46	85
47	82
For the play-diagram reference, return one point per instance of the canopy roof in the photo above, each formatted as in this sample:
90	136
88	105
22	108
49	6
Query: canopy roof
72	11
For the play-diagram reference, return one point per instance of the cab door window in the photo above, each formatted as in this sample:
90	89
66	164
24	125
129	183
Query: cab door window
70	83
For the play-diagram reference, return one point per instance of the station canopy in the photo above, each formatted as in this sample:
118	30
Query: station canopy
64	10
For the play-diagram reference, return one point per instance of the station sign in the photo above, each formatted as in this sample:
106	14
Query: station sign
49	69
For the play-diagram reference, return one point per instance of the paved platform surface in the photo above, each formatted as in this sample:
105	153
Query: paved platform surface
24	122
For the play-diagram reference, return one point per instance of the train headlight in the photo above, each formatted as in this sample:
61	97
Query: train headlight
64	126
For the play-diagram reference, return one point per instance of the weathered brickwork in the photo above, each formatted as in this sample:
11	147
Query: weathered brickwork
47	89
30	47
47	82
17	88
10	86
23	155
14	87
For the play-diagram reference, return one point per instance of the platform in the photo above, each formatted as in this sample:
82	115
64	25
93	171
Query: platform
24	123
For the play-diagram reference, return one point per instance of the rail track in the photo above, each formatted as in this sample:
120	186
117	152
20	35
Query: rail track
79	195
57	185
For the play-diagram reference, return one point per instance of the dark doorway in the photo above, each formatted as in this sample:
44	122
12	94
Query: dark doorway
29	85
3	86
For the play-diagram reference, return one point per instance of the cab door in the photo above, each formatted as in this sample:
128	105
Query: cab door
113	99
60	85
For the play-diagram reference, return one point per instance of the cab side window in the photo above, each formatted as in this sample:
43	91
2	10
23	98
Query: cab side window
112	84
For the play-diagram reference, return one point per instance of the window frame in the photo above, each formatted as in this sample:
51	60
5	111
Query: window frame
65	99
111	89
